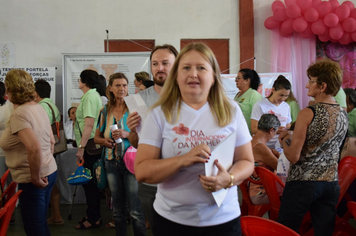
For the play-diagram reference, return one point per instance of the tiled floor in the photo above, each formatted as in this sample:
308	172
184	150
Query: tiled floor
68	229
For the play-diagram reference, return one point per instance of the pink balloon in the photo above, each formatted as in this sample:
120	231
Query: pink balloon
304	4
271	23
342	12
323	8
300	24
336	32
334	41
353	36
345	39
290	2
307	33
285	35
311	15
353	13
334	4
349	25
325	36
293	11
349	4
331	20
277	4
315	2
318	27
287	27
280	14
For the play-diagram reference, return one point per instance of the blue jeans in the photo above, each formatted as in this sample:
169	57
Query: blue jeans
167	227
147	195
318	197
123	187
34	205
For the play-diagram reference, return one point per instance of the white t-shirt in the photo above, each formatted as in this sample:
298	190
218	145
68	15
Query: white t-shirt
282	111
181	198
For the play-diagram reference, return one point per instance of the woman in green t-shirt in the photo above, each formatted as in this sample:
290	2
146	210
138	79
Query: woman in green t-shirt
247	81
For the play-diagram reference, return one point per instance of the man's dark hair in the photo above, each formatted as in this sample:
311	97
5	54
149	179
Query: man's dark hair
169	47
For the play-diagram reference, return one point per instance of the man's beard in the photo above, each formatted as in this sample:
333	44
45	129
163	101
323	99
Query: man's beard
158	82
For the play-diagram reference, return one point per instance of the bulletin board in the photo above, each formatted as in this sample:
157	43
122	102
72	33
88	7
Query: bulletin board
104	63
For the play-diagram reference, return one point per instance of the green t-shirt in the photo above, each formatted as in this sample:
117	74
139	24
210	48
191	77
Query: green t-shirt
340	98
294	109
352	123
44	104
90	105
246	102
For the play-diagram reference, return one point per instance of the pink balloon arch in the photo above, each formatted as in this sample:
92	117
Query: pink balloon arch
329	20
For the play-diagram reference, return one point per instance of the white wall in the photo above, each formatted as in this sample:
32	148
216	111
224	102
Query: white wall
262	10
43	29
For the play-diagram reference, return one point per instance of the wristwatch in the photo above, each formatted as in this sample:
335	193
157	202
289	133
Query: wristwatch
80	146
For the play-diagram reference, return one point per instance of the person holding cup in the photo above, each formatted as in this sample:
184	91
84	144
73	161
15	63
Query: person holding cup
112	133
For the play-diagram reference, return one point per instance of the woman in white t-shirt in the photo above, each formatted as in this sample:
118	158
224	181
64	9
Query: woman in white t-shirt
274	104
191	117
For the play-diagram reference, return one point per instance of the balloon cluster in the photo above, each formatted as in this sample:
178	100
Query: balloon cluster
329	20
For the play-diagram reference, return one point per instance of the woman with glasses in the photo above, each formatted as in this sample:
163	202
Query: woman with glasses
313	151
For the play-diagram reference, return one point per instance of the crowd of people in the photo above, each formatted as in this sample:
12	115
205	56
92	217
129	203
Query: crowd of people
189	115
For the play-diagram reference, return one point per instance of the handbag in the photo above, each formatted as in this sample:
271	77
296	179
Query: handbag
60	141
92	148
100	174
80	176
129	159
283	167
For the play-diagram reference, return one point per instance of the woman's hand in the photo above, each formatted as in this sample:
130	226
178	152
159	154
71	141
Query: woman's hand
215	183
281	129
133	120
80	154
198	154
109	143
40	183
120	133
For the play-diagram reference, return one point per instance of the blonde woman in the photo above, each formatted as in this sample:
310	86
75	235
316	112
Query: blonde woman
28	144
193	106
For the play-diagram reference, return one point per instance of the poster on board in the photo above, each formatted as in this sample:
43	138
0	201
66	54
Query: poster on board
264	89
105	64
45	73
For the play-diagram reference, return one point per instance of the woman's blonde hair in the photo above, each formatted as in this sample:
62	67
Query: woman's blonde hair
21	86
170	94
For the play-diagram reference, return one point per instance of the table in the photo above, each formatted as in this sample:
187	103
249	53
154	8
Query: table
67	164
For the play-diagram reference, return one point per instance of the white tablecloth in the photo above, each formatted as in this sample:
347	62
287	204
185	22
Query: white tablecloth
67	164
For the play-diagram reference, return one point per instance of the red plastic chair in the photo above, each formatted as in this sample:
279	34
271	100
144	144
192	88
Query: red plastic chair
248	208
9	192
352	208
272	184
4	178
347	174
257	226
10	207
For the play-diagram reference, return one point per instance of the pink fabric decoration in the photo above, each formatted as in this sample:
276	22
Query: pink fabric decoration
293	54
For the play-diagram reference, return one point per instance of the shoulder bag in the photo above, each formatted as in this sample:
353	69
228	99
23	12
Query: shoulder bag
92	148
60	141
